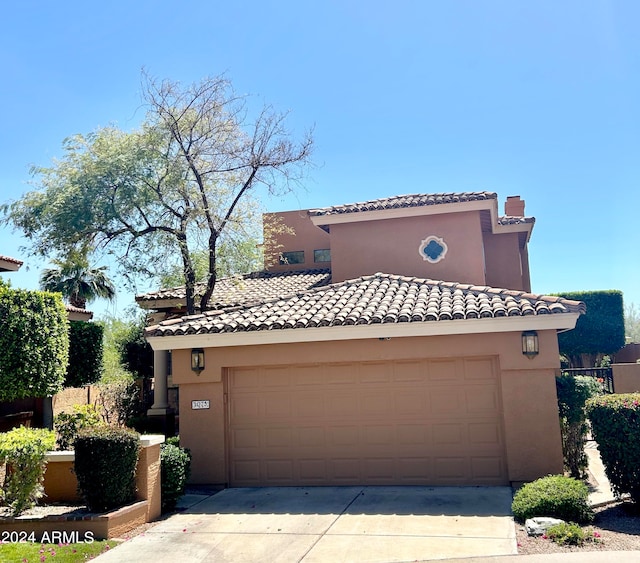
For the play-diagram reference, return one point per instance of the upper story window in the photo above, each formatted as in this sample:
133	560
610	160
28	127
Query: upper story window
433	249
293	257
322	255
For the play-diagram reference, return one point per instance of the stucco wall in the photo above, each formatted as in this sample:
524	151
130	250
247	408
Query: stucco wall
626	378
392	246
532	433
306	237
503	262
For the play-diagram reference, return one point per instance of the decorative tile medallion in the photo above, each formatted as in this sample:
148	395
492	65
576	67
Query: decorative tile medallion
433	249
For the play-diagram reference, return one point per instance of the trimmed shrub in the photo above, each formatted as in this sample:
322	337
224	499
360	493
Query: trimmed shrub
600	331
554	496
105	466
34	339
615	424
573	393
175	463
23	450
67	425
85	353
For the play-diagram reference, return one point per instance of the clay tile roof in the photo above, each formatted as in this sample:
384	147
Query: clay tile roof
248	288
8	264
9	259
510	220
375	299
403	201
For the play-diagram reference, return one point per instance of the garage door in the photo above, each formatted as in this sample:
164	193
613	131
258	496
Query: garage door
430	422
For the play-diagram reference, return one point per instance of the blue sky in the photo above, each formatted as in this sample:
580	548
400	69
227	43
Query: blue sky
537	99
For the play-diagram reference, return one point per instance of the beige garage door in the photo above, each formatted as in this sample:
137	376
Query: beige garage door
430	422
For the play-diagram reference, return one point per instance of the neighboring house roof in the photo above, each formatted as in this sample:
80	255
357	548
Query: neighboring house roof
403	201
78	314
376	303
242	289
8	264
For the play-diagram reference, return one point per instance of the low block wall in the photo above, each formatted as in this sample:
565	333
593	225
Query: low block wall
61	486
626	378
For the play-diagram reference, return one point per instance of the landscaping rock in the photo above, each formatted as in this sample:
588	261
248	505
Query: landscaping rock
539	526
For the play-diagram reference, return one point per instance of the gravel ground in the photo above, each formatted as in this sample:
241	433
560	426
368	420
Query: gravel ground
616	528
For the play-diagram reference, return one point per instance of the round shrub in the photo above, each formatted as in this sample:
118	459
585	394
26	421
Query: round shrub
23	450
555	496
615	424
105	465
175	468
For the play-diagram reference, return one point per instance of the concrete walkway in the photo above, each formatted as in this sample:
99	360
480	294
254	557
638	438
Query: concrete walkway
331	524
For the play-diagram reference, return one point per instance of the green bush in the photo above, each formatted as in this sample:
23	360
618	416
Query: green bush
23	450
105	466
615	424
173	440
599	331
573	393
85	353
67	425
175	463
555	496
34	339
567	534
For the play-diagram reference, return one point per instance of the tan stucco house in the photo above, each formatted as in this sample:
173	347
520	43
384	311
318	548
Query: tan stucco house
395	341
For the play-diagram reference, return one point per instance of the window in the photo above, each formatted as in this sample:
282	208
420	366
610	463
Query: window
323	255
294	257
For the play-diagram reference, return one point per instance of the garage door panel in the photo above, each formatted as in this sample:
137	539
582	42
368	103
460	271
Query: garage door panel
408	371
367	423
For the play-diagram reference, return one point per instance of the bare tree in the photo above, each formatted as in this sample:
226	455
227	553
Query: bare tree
176	184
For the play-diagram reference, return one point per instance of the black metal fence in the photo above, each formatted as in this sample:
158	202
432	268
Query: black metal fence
603	375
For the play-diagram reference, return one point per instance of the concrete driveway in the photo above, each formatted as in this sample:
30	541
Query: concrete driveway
331	524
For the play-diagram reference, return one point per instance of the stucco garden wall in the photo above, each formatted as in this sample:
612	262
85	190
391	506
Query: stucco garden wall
626	378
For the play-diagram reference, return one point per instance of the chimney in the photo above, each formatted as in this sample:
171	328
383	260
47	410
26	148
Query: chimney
514	206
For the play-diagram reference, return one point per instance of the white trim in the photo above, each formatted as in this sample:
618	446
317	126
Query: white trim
554	321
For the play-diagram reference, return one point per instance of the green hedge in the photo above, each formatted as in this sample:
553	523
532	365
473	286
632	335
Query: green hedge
85	353
105	465
573	392
34	340
601	330
615	424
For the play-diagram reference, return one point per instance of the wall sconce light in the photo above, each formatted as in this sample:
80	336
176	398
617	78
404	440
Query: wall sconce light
530	345
197	360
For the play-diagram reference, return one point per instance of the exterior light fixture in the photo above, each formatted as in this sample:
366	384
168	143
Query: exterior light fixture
530	345
197	360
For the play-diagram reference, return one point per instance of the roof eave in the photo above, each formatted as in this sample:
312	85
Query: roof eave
401	212
557	321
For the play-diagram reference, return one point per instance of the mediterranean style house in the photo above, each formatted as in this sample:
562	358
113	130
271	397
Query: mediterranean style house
388	342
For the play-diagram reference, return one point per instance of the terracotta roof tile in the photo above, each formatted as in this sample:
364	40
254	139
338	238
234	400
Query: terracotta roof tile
248	288
375	299
403	201
511	220
9	259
